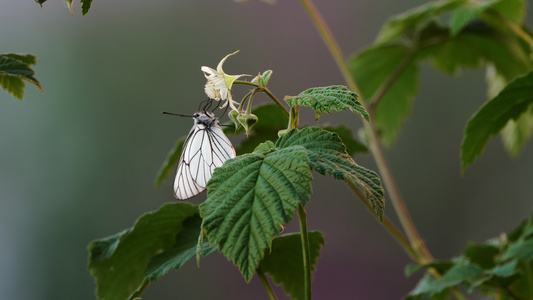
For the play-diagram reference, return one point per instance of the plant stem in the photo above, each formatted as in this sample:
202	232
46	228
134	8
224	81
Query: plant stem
375	144
266	91
517	29
302	217
266	284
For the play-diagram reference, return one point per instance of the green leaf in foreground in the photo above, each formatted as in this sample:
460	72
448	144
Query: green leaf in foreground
327	154
123	265
353	146
14	69
510	104
327	99
284	261
249	198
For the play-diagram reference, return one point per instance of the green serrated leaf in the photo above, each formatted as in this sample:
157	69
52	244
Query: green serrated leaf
327	99
488	121
249	198
284	261
353	146
85	6
327	154
371	69
119	263
14	69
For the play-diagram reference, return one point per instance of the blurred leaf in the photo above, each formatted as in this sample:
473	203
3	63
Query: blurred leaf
389	68
462	273
122	265
410	22
483	255
353	146
521	250
85	6
14	69
512	10
488	121
371	69
170	163
327	154
69	4
284	261
249	198
473	47
517	133
326	99
40	2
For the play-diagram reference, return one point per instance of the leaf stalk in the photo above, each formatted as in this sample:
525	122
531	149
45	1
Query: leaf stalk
266	284
302	217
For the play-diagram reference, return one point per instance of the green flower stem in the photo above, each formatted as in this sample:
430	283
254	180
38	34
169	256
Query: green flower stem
302	217
266	91
266	284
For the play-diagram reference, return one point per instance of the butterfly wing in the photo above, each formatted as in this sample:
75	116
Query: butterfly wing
206	148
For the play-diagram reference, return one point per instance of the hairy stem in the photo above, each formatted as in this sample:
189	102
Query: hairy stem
266	284
302	217
375	144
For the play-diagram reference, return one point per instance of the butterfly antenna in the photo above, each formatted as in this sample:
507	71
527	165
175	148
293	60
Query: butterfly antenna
173	114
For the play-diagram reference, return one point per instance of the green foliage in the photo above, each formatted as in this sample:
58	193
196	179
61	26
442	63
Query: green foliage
284	261
14	69
372	69
326	99
124	264
477	34
353	146
262	79
249	198
515	99
327	154
498	267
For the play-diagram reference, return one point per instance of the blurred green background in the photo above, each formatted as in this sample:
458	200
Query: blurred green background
79	161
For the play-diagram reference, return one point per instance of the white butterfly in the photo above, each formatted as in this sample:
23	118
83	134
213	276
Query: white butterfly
205	148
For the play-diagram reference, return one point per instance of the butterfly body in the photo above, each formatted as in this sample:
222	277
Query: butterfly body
205	148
